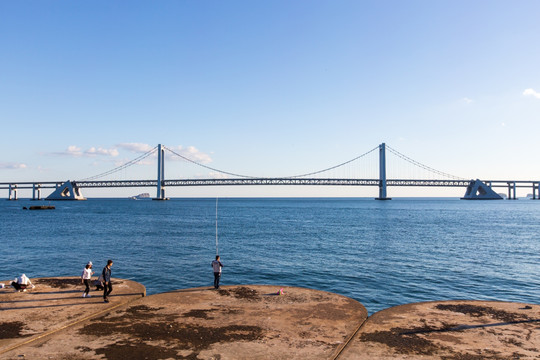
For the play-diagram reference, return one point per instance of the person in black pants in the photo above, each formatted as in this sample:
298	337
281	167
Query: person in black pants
86	277
216	266
107	285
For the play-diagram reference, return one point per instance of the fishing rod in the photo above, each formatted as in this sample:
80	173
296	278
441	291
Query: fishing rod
217	247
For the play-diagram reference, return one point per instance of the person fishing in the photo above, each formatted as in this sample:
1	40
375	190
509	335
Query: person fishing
217	265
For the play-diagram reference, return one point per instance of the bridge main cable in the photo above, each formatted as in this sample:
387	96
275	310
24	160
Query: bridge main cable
422	166
123	166
278	177
336	166
205	166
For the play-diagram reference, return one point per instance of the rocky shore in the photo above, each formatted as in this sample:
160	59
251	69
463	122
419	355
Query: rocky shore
53	321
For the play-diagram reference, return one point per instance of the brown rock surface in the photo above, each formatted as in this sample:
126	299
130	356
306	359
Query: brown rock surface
235	322
460	330
54	304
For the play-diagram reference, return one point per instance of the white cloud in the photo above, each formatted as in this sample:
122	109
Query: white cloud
191	153
531	92
73	151
100	151
12	166
135	147
466	100
76	151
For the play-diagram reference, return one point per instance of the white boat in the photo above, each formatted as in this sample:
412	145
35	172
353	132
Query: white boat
141	196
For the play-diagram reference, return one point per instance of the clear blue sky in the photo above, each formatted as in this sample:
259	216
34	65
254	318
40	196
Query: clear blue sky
269	88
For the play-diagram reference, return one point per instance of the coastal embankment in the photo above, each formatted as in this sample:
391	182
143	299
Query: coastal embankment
53	321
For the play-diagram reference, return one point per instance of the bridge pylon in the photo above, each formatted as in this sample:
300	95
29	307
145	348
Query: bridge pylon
161	175
382	173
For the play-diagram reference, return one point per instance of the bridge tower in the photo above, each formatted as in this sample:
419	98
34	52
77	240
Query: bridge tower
161	175
382	173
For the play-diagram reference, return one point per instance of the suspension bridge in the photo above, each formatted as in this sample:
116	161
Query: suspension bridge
376	176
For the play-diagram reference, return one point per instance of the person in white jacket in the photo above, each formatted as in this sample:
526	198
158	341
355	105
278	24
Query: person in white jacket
86	277
22	283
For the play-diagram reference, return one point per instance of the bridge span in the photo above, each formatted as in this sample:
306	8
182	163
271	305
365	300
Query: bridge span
36	187
70	190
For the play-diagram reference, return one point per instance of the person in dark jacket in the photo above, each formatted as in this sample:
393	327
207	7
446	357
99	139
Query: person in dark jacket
107	285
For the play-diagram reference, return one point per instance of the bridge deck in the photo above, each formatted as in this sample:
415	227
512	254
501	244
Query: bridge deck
267	181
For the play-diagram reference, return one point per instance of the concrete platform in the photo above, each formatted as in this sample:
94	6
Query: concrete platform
53	305
235	322
465	330
53	321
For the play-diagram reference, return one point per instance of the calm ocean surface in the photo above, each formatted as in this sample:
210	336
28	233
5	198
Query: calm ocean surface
381	253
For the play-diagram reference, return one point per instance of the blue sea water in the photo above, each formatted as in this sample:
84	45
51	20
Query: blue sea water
381	253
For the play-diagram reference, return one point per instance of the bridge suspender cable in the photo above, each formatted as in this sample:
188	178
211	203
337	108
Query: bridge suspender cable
420	165
123	166
152	151
207	167
286	177
336	166
397	153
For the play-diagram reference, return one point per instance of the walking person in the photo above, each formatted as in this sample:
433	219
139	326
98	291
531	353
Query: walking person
217	265
107	285
86	277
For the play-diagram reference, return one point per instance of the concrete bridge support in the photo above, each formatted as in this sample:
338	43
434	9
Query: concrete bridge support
512	190
478	190
12	192
536	191
36	189
66	191
382	173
